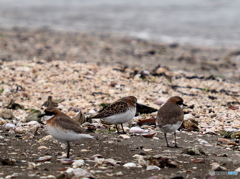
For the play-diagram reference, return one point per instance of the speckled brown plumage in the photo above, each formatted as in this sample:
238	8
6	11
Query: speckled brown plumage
119	112
119	106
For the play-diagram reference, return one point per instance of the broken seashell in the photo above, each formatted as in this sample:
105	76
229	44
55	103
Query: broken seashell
44	158
149	134
80	118
78	163
9	126
66	161
153	167
31	165
42	148
124	136
46	138
129	165
198	160
136	130
193	151
80	173
201	141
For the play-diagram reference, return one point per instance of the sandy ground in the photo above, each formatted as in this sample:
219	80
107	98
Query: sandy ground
21	44
121	150
86	70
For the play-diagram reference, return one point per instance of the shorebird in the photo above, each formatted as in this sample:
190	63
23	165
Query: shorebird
50	102
170	117
119	112
63	128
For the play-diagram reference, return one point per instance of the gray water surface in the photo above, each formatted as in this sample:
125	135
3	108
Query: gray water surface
199	22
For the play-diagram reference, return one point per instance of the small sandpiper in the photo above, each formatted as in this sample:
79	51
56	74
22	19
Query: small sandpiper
63	128
119	112
170	117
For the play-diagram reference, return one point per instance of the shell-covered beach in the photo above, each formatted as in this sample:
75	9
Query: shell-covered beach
85	71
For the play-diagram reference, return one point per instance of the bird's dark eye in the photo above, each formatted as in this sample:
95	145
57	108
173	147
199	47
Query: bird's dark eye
180	103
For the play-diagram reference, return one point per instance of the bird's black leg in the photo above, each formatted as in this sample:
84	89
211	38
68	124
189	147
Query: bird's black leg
123	129
68	149
117	128
165	135
175	140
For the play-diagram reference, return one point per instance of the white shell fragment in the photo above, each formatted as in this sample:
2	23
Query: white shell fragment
124	136
202	142
78	163
129	165
153	167
44	159
136	130
9	126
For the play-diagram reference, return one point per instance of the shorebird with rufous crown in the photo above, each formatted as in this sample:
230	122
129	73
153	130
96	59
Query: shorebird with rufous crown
50	102
63	128
121	111
170	117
